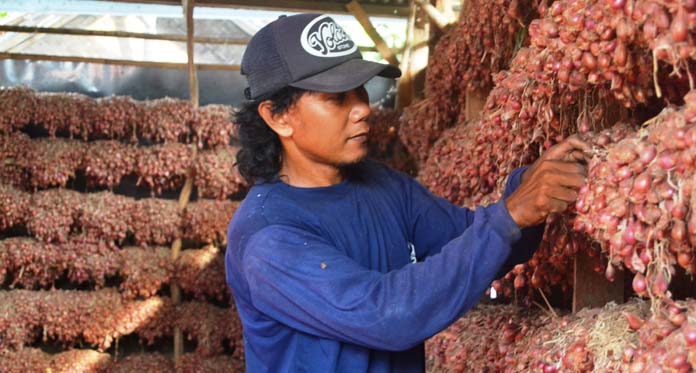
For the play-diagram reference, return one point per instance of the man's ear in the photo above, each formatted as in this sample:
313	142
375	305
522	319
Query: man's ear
279	123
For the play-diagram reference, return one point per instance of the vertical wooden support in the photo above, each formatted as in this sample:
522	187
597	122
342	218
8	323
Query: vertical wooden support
359	13
436	16
445	7
185	195
419	53
475	101
592	289
404	89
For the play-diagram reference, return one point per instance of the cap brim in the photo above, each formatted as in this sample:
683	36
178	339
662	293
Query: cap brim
346	76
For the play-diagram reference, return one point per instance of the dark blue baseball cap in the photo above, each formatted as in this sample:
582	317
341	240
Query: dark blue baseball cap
308	51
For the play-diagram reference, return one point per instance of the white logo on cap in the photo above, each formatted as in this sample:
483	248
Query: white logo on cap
325	38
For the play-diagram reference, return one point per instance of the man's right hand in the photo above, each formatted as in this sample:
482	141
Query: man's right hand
549	185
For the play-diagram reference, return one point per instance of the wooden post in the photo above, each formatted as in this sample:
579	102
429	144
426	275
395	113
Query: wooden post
185	195
592	289
419	54
445	7
404	88
475	102
438	18
359	13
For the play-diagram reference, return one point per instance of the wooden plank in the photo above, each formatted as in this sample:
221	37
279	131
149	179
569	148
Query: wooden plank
419	53
136	35
475	102
185	195
592	289
438	18
447	9
359	13
404	90
384	10
111	61
120	34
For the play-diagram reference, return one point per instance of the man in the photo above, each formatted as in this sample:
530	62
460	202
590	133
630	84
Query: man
338	263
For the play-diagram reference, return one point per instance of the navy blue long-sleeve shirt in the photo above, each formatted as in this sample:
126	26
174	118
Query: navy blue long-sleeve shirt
355	276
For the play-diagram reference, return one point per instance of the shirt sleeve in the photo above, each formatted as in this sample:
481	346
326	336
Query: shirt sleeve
302	281
436	221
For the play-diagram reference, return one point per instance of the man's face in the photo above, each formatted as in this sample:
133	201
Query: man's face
331	128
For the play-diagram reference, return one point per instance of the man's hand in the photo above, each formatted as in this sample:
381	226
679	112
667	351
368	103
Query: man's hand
550	184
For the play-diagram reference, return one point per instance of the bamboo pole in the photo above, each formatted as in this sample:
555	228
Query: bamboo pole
135	35
185	195
359	13
404	86
438	18
120	34
111	61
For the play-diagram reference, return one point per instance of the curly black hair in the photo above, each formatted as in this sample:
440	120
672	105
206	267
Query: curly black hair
260	153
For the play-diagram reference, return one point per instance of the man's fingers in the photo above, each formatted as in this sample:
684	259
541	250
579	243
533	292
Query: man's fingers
556	205
564	150
564	167
567	195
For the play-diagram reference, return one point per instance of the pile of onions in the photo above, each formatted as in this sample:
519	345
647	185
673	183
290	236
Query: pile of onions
66	114
584	58
216	173
116	118
453	170
638	202
57	215
155	221
99	317
19	104
144	270
210	326
12	149
52	213
106	162
384	144
51	162
220	363
163	167
101	217
206	221
166	120
68	316
554	258
464	60
201	272
74	360
32	264
32	359
612	338
13	207
213	127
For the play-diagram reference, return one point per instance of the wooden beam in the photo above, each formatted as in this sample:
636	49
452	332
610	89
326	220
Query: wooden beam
400	11
419	53
185	195
120	34
475	102
438	18
446	8
592	289
111	61
135	35
193	78
404	91
359	13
